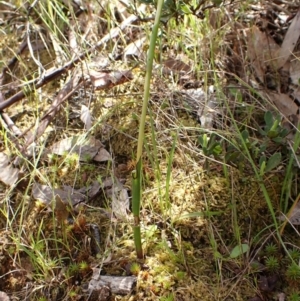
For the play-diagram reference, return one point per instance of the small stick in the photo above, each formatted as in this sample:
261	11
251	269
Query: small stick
10	125
52	74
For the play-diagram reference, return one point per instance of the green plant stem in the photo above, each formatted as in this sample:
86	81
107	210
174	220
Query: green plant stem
137	175
148	78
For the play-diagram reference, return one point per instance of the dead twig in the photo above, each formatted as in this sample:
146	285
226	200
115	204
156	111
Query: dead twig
73	84
100	80
52	74
10	125
6	119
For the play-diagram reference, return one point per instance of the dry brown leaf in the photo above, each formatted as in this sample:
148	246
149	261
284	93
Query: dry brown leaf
289	42
295	71
102	80
134	49
60	209
284	104
94	189
176	66
120	203
293	216
102	156
86	117
67	194
262	51
86	148
8	174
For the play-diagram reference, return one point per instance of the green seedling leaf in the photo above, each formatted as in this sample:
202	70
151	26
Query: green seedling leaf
203	141
278	140
169	8
245	135
283	132
268	119
262	132
273	162
275	125
272	134
150	231
217	150
263	147
209	145
274	130
262	159
218	255
185	9
262	164
239	250
212	146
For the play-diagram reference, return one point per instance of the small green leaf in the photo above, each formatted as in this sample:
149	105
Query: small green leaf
150	231
275	125
262	159
217	150
263	147
262	167
185	9
273	162
262	132
203	141
283	132
245	135
269	119
218	255
278	140
239	250
272	134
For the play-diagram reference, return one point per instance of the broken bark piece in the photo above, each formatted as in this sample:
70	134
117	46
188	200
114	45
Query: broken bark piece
120	285
102	294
